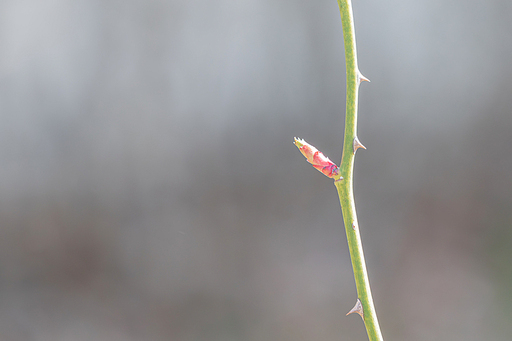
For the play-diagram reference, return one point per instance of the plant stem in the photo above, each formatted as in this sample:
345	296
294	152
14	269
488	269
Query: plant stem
345	185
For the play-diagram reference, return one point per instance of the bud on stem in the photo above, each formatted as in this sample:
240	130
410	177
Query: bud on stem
317	159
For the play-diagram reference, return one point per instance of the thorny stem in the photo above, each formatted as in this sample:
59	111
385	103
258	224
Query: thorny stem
345	184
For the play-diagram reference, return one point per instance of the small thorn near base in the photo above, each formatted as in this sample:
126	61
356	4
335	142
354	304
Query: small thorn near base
358	309
362	78
357	144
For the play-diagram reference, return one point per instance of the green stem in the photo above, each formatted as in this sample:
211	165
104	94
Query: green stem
345	185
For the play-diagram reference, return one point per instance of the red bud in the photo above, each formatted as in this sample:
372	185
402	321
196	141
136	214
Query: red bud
317	158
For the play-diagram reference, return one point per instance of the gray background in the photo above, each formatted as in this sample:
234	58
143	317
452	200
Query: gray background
150	190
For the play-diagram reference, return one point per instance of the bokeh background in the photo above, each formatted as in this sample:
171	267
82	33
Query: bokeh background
150	190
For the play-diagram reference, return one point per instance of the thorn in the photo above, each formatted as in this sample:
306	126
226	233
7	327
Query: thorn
361	78
354	227
357	144
358	309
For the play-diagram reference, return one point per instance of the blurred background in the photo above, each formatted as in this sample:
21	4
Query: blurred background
150	190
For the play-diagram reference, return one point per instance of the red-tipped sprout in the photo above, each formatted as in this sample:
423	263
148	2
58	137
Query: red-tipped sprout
317	159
